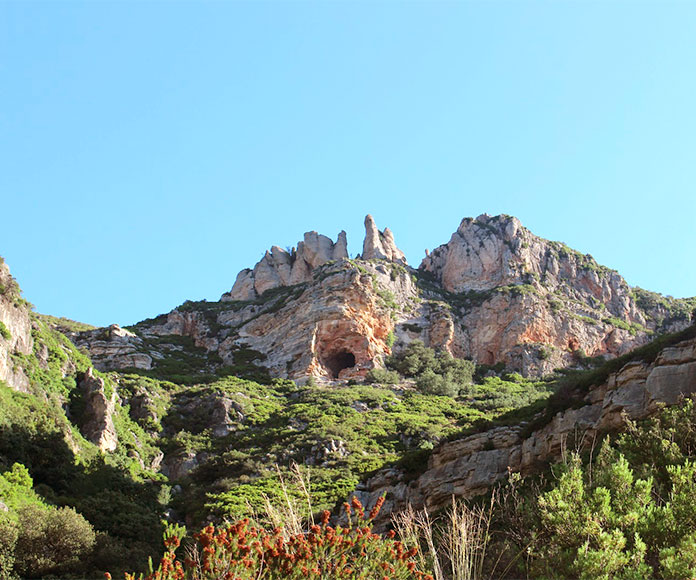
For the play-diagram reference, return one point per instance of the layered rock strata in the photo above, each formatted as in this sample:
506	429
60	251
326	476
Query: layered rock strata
470	466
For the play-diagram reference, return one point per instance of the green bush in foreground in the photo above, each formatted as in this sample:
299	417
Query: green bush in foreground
37	539
629	514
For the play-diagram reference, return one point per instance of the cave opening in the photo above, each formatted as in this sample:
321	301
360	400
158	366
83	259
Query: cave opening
338	361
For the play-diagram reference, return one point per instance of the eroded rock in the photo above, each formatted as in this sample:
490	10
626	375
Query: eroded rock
98	425
380	245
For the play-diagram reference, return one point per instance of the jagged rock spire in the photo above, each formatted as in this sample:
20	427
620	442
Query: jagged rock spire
380	245
279	267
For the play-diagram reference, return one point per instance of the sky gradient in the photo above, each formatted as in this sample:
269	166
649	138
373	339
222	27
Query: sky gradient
149	151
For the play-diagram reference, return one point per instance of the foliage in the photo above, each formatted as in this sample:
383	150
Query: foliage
627	511
673	308
435	372
632	327
243	551
9	532
370	427
382	377
4	331
51	541
35	538
64	324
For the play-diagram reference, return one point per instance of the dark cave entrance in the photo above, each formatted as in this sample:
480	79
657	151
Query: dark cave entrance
338	361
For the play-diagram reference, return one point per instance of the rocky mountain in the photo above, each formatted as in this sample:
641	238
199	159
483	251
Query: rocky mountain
190	416
495	293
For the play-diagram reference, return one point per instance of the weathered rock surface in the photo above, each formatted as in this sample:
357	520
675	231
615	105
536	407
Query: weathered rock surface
533	304
380	245
335	328
113	348
16	338
98	425
471	465
280	267
495	293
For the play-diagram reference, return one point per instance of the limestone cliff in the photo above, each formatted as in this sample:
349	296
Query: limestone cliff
15	330
537	305
280	267
495	293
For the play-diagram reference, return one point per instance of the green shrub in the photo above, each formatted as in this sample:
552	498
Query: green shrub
9	531
430	383
52	541
382	377
436	373
4	331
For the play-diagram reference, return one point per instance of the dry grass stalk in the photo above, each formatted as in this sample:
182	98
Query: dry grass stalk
414	528
289	513
462	539
466	539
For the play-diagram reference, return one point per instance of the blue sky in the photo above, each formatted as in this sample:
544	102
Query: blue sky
150	151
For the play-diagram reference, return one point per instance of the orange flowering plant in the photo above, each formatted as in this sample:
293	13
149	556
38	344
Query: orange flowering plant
243	552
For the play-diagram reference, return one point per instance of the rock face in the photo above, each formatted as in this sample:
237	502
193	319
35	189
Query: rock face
334	328
495	293
114	348
533	304
470	466
279	267
15	330
380	245
98	425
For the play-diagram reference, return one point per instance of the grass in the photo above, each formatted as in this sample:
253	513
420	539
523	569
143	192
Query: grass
65	324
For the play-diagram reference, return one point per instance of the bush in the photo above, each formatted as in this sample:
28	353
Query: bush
417	360
52	541
4	331
8	539
383	377
433	384
244	552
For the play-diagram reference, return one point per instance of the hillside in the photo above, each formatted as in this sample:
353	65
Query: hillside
373	376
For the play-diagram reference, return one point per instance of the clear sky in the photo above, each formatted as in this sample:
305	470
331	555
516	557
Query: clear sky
149	151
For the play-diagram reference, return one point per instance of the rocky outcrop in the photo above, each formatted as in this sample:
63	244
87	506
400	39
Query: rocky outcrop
533	304
97	424
113	348
380	245
15	330
336	328
281	267
495	293
470	466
